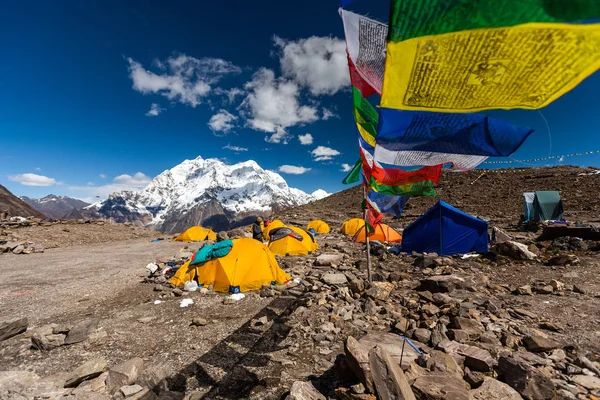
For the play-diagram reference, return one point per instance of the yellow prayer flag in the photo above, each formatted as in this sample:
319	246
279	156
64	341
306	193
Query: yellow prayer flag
524	66
366	135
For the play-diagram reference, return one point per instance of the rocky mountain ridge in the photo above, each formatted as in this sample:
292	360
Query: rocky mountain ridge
55	207
15	207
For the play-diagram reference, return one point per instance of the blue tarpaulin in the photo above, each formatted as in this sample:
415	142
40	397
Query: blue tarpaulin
471	134
446	230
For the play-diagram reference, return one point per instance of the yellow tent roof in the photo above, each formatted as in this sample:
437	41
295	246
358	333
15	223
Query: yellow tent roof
383	233
249	265
210	234
290	246
273	225
195	234
352	226
319	226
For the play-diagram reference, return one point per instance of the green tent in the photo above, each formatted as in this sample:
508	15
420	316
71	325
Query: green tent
547	205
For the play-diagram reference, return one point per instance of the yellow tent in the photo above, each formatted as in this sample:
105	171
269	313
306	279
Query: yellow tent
195	234
210	234
319	226
352	226
383	233
290	245
273	225
249	265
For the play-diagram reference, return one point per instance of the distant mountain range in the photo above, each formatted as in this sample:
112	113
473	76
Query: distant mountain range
201	192
15	207
55	207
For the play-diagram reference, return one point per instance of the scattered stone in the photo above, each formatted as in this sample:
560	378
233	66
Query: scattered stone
545	289
178	292
530	383
380	290
63	328
472	328
131	390
198	321
584	362
579	289
345	394
81	331
525	290
441	283
145	320
12	328
357	356
442	362
563	259
514	250
588	382
88	370
422	335
493	389
47	342
124	374
392	343
334	279
473	378
390	382
304	391
98	337
155	377
538	343
557	285
439	386
551	326
328	260
477	359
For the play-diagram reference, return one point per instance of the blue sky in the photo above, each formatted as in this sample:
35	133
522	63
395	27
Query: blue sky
102	96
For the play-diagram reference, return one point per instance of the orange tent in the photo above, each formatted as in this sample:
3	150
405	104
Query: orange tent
383	233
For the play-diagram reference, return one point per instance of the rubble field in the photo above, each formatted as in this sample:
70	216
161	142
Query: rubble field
523	321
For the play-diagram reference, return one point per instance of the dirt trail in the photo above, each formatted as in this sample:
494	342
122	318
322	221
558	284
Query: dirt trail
42	286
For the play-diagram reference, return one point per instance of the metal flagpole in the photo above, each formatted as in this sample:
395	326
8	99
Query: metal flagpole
365	215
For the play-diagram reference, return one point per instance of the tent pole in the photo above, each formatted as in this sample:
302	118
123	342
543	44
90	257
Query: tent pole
366	215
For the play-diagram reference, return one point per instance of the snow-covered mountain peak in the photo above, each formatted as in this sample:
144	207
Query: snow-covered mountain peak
236	190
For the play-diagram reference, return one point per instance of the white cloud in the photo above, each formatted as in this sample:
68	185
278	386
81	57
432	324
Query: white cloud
102	176
231	94
306	139
318	63
280	136
328	114
235	148
223	121
135	182
323	153
180	78
272	104
154	110
346	167
291	169
38	169
33	180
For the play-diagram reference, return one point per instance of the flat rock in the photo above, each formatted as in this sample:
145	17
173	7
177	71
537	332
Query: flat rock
470	327
81	331
493	389
390	382
440	386
328	260
12	328
538	343
48	342
145	320
441	283
129	391
563	259
588	382
334	279
380	290
514	250
357	356
88	370
392	343
124	374
304	391
422	335
526	380
16	381
477	359
442	362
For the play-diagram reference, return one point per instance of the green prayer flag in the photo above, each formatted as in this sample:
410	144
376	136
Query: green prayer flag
354	174
415	18
424	188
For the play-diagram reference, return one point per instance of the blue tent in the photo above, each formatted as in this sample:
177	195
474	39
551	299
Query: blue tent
446	230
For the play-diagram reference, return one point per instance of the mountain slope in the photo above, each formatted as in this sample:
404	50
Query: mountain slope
203	192
495	196
15	206
56	207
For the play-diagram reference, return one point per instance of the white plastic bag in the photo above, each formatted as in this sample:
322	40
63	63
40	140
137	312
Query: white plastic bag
190	286
186	302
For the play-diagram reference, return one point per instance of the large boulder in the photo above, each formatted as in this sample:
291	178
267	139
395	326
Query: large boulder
81	331
529	382
440	386
334	279
390	382
537	343
357	356
493	389
12	328
392	343
304	391
514	250
442	362
88	370
328	260
124	374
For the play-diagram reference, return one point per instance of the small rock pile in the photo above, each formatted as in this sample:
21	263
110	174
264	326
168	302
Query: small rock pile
20	247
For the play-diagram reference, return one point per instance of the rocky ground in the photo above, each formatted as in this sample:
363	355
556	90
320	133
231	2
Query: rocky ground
520	322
